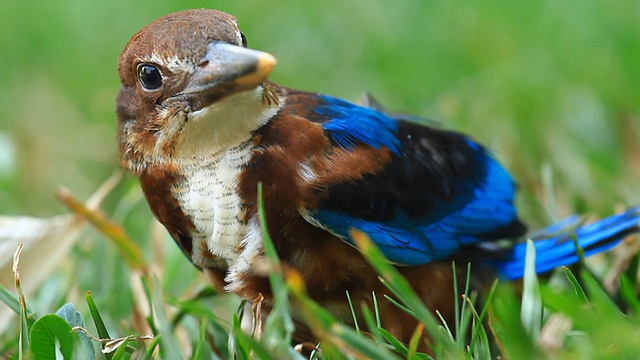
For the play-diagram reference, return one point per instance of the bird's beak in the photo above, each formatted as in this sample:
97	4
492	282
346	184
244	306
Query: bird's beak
225	70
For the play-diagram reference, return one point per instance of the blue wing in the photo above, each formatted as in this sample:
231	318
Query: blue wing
439	191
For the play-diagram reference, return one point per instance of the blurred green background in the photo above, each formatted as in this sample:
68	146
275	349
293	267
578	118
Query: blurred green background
551	86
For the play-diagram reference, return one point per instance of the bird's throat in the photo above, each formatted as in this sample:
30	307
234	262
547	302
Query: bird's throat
223	124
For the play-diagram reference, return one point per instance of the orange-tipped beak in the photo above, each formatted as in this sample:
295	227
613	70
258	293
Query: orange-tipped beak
228	69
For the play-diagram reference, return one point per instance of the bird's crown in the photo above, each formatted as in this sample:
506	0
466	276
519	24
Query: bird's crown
180	37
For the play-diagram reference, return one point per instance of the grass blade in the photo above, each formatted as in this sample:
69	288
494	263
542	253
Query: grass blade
103	333
329	329
130	251
353	313
401	288
24	343
279	320
575	285
531	306
628	293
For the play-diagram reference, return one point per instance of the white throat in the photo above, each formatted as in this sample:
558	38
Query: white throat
223	124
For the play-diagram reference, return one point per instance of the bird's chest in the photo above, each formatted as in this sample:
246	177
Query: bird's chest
208	196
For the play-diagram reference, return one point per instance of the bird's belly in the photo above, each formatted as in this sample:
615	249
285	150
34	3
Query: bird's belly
209	197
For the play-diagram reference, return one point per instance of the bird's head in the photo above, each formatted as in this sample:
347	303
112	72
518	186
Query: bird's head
189	87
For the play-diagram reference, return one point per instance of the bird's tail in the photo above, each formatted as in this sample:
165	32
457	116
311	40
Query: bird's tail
555	245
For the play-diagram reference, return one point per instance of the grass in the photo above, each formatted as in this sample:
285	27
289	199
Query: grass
547	321
550	86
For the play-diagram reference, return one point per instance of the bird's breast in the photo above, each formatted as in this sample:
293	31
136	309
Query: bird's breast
208	195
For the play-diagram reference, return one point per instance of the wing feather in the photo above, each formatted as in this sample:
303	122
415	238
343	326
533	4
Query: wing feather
439	192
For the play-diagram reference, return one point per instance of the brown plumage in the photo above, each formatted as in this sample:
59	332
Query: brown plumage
150	123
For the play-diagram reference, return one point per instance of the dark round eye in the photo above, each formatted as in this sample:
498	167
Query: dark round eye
149	76
244	40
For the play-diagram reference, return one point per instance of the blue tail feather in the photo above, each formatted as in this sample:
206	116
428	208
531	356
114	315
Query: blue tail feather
555	246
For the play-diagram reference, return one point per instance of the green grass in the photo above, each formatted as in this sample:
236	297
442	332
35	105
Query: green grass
552	87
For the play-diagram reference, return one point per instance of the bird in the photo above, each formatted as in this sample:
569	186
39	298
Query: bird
201	126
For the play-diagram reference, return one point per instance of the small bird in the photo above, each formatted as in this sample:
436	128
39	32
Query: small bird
201	126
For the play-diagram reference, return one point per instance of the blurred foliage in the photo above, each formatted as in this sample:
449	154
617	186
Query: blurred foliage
545	84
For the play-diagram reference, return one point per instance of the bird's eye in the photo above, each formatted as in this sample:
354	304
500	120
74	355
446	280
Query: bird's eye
149	76
244	40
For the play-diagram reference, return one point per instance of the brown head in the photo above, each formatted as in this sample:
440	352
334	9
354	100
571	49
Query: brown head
182	77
